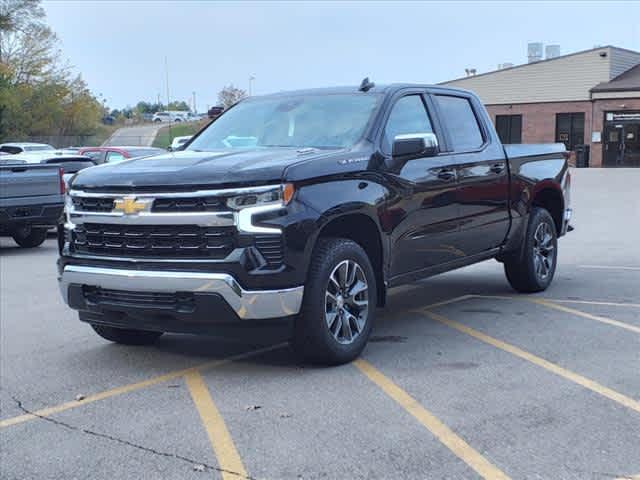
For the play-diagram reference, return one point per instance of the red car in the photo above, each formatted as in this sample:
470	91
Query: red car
117	154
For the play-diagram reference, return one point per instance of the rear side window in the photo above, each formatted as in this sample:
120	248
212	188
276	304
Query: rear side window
461	122
407	116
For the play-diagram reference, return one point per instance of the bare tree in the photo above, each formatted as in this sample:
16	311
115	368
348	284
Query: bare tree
230	95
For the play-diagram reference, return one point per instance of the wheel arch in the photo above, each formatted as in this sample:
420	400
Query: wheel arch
365	231
549	196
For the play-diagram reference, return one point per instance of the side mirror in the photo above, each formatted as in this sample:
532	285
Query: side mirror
415	145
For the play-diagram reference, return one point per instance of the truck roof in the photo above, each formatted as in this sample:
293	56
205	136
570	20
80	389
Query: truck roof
377	89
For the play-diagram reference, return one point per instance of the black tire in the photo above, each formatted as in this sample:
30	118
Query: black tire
314	339
532	269
126	336
30	237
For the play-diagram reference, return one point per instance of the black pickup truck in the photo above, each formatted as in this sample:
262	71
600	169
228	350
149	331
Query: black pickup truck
301	210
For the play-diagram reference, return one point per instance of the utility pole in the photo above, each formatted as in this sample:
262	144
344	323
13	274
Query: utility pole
251	79
166	70
195	110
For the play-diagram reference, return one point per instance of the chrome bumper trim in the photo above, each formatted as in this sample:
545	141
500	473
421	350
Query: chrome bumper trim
248	304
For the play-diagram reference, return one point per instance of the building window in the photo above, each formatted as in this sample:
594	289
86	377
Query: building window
509	128
570	129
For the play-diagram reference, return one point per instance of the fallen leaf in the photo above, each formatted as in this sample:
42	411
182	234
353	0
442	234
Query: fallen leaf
79	397
253	407
199	468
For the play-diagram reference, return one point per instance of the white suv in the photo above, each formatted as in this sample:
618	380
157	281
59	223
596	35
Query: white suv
167	117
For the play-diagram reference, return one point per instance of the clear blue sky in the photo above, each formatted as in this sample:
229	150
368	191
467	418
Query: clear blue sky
119	47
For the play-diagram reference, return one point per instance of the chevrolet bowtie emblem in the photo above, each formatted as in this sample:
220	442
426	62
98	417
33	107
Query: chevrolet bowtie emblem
129	205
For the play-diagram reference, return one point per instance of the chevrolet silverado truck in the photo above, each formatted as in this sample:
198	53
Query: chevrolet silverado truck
301	210
31	200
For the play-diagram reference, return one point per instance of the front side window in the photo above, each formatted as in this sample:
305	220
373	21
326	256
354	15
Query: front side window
461	122
407	116
317	121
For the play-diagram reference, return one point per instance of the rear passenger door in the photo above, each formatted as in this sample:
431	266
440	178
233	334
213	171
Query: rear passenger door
482	171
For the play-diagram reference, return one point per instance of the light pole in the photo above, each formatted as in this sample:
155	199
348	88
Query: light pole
195	110
251	79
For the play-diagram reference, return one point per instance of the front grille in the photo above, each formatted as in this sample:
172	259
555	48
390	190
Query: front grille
188	204
179	300
271	248
153	241
93	204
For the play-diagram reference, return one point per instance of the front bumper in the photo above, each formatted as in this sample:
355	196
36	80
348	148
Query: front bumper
75	280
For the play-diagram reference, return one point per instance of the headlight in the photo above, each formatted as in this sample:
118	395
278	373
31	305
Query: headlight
282	194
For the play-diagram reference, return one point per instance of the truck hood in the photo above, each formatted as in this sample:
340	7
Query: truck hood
190	169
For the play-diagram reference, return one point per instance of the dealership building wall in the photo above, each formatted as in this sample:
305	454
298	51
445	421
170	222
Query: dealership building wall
588	98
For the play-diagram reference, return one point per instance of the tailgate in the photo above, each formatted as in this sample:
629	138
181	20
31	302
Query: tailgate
29	181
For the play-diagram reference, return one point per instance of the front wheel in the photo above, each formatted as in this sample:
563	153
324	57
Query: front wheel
30	237
533	268
339	304
126	336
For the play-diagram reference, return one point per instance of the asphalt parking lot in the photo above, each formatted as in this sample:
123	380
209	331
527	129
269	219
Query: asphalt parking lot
462	379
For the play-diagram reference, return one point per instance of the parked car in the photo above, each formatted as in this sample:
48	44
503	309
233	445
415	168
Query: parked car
215	112
168	117
117	154
31	200
333	197
178	142
24	147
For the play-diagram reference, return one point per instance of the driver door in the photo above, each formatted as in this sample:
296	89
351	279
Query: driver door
425	217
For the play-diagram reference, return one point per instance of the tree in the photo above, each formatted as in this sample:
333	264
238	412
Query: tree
38	95
178	105
230	95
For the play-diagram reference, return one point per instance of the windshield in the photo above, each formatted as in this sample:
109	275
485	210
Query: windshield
319	121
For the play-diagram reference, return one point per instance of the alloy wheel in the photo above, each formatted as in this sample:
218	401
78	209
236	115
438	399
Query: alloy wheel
543	250
346	302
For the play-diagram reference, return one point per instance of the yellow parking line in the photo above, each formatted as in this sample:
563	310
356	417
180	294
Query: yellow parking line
609	267
45	412
573	311
541	362
229	460
443	433
590	302
597	318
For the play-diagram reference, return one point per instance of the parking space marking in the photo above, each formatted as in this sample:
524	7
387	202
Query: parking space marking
541	362
590	302
225	450
45	412
562	308
609	267
443	433
597	318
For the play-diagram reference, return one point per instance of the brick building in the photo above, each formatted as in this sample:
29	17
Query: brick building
586	98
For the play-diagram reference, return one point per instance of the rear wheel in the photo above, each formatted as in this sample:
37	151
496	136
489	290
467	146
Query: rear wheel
532	270
30	237
126	336
339	304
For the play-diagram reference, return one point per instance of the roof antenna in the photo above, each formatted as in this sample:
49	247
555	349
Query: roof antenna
366	85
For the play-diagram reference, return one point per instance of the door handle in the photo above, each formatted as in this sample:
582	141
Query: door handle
446	174
497	168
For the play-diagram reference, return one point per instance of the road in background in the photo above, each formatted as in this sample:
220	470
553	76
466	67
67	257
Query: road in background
139	135
490	384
